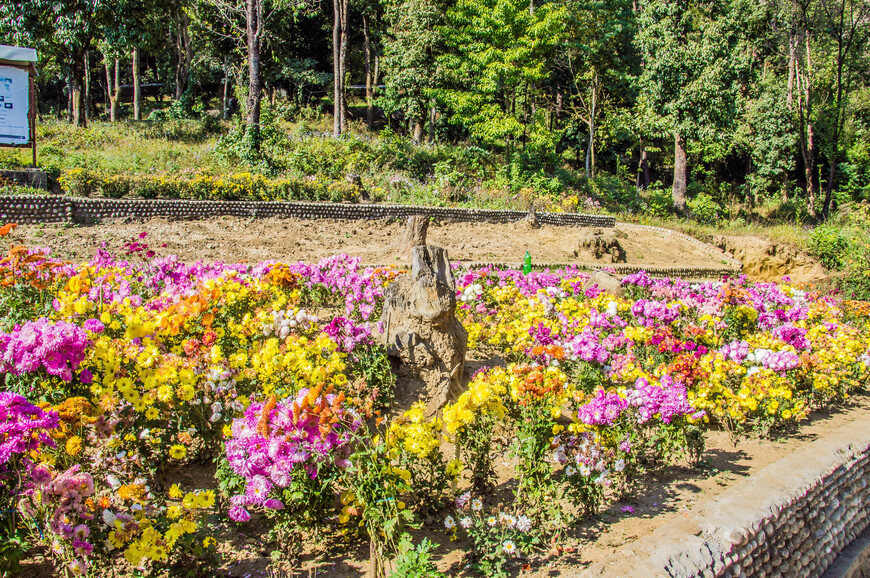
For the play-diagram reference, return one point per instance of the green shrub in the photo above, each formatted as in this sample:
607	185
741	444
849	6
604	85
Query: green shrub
829	246
704	209
659	202
79	182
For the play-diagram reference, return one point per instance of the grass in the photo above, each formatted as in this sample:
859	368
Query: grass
391	167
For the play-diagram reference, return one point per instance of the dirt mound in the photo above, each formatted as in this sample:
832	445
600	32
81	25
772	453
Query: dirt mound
765	260
231	239
597	244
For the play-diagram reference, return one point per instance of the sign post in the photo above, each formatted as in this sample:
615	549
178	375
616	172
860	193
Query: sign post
18	98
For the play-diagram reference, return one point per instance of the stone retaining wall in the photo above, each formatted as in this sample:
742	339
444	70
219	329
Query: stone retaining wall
792	518
714	252
715	273
33	178
52	209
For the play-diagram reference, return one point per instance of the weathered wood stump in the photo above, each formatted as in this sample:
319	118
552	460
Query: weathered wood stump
414	234
421	329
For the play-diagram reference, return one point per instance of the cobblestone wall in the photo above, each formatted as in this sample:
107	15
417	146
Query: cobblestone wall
792	518
37	209
714	273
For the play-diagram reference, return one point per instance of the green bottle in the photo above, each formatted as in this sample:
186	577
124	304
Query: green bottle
527	264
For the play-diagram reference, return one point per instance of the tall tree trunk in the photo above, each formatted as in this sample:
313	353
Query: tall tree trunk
225	100
431	135
336	68
70	97
590	149
680	174
643	176
376	75
184	53
255	88
112	89
370	111
792	59
805	126
87	81
78	94
345	113
137	86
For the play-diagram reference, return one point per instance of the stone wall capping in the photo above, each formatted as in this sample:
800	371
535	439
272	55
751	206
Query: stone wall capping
791	518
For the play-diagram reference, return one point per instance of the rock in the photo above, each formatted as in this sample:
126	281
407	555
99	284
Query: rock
531	219
356	181
601	243
421	330
605	282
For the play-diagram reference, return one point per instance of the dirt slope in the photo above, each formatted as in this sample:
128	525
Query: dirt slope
233	239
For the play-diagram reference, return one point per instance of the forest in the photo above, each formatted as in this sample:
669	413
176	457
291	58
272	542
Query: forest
700	103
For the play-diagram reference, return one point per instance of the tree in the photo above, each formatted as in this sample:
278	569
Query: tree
597	63
847	24
339	54
499	52
248	21
411	47
692	61
62	29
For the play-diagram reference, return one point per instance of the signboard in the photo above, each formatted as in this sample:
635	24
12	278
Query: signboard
14	106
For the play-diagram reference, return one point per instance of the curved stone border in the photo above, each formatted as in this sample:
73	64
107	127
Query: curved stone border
792	518
620	269
54	209
711	250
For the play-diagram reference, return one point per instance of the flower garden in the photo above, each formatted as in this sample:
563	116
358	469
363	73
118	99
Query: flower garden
269	377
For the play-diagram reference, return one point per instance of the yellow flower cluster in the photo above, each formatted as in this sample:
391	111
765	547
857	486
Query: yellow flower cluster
152	544
414	434
484	396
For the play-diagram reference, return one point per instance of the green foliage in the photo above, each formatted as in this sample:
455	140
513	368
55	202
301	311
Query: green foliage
658	202
81	182
829	246
416	561
496	51
704	209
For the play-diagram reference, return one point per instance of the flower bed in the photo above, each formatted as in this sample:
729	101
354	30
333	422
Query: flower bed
127	367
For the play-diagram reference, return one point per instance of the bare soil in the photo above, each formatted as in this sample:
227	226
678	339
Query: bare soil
764	260
376	242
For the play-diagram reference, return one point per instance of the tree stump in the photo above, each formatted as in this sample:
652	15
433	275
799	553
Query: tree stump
413	236
421	329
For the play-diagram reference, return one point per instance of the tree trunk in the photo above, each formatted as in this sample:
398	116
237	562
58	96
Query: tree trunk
418	130
590	149
376	75
70	96
680	174
431	136
792	58
370	111
343	63
255	88
336	68
805	126
225	100
78	94
414	235
643	175
137	87
87	80
184	53
112	90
